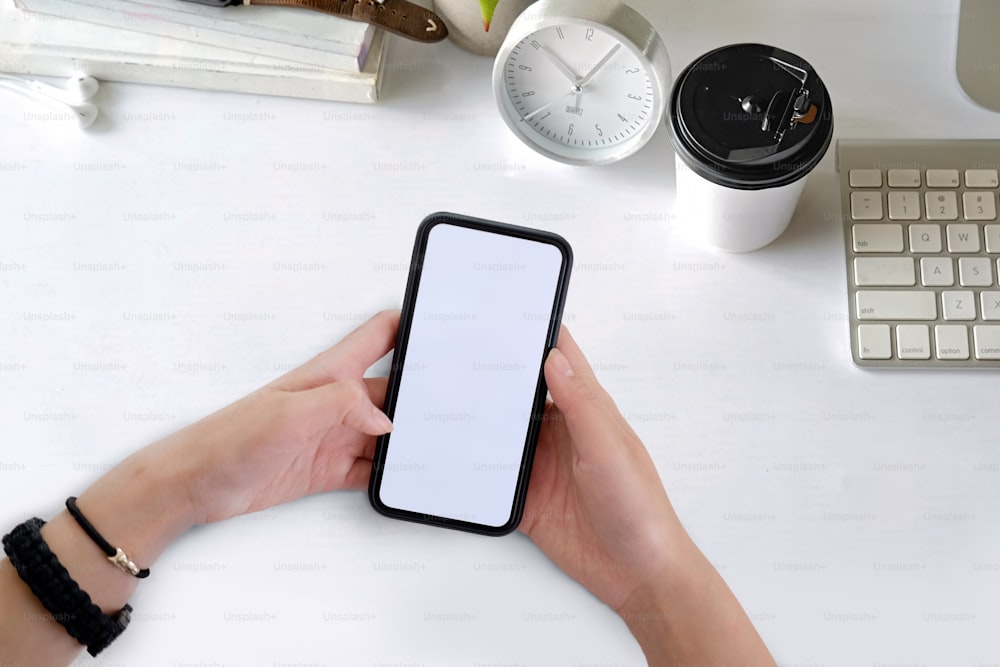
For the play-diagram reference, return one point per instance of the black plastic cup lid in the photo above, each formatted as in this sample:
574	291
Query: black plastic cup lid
750	116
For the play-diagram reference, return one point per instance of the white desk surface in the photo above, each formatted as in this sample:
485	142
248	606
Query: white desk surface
196	245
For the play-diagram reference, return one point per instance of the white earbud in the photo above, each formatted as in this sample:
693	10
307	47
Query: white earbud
70	99
85	112
78	89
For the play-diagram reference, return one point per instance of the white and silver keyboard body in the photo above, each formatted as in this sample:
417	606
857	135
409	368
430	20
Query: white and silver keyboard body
922	235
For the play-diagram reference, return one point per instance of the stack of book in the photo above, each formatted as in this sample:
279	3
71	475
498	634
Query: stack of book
266	50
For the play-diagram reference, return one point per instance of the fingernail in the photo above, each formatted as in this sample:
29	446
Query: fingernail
381	420
560	363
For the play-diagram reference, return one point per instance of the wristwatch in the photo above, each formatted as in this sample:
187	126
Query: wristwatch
396	16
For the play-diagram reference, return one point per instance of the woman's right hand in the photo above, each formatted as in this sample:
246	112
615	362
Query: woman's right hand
597	508
595	504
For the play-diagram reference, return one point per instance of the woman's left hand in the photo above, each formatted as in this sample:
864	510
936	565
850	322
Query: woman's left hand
309	431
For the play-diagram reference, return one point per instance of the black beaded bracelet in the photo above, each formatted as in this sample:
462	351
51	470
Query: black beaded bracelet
41	570
118	557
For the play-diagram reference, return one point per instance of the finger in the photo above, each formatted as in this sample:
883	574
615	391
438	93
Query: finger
366	344
591	417
368	451
349	358
347	403
581	367
569	347
359	474
376	392
376	387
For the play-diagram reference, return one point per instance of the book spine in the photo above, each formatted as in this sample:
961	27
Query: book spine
363	90
153	25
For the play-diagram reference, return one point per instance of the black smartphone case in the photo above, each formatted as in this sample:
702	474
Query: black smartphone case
402	337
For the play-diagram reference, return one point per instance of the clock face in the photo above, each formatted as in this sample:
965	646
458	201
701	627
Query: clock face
578	92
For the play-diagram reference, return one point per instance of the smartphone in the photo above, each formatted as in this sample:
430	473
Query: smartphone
466	391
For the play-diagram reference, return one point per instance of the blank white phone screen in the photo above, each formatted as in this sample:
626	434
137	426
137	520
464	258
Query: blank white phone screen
476	347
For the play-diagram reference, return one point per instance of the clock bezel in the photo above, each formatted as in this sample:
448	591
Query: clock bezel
623	24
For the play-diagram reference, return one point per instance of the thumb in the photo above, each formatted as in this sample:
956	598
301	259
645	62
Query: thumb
347	402
591	416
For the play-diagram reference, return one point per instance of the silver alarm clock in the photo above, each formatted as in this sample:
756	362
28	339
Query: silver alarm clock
582	81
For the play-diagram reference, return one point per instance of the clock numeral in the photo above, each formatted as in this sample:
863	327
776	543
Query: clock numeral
527	93
535	44
560	33
570	130
524	67
622	118
547	114
597	127
633	97
634	70
590	35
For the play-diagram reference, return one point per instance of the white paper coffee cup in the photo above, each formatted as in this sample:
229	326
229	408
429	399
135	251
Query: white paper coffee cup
748	123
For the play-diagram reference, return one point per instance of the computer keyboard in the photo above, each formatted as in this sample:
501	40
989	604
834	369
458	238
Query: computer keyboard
922	234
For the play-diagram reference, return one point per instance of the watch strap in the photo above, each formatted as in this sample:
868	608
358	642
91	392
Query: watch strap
396	16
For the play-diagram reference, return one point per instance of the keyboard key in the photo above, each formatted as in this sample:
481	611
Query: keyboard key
992	238
936	272
959	306
979	205
866	205
904	178
904	206
873	341
895	305
941	205
975	272
963	238
987	341
942	178
925	238
991	305
951	341
866	178
913	341
981	178
885	271
878	238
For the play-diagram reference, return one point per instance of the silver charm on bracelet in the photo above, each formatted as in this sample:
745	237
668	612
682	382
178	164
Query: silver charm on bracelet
122	562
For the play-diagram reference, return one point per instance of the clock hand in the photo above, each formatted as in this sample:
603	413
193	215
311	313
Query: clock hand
544	107
560	65
585	79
